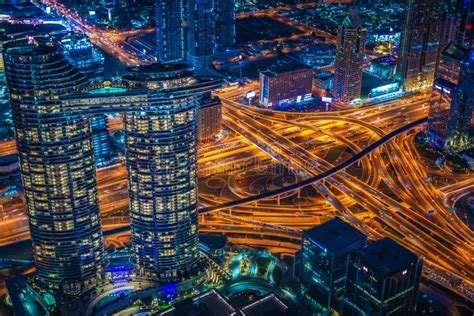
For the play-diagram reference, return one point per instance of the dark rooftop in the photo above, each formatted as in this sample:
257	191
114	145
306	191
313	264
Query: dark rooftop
335	234
269	305
369	82
454	51
386	256
158	67
210	303
213	241
323	75
31	50
284	65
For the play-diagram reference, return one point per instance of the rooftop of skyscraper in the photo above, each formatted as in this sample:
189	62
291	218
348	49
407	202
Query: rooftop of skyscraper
386	256
335	235
352	20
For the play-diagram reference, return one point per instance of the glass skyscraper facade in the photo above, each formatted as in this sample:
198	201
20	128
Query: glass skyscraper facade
465	31
210	29
201	32
225	23
439	112
460	133
324	252
422	29
57	168
169	30
451	119
382	279
194	30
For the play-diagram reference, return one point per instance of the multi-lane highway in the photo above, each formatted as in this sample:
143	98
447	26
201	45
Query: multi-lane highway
443	240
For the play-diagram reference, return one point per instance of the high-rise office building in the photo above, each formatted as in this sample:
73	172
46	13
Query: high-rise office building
460	133
196	30
350	54
210	30
323	257
449	66
57	168
161	149
201	31
438	115
170	26
422	30
225	23
52	108
450	28
450	119
382	279
465	31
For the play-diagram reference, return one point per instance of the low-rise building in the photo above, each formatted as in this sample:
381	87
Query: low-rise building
285	82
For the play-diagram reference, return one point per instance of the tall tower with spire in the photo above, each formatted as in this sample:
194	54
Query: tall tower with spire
349	58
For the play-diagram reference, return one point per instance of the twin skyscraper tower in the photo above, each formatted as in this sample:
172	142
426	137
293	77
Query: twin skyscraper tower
52	105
